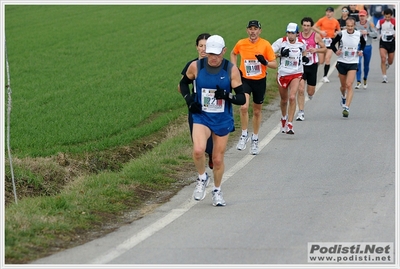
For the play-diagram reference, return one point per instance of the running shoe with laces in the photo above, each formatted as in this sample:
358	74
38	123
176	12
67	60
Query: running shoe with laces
200	189
365	84
345	112
325	79
283	122
217	198
358	85
300	116
343	101
289	128
384	79
254	147
241	145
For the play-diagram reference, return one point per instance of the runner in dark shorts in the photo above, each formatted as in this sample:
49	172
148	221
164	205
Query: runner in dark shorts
386	29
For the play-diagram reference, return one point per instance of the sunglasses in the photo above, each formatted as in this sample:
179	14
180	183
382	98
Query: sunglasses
291	32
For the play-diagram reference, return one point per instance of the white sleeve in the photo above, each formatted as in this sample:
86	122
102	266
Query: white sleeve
378	25
276	46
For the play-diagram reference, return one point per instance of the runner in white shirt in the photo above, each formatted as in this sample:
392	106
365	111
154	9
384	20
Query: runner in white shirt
347	61
386	29
292	51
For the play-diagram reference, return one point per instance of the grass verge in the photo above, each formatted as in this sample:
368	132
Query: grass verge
90	205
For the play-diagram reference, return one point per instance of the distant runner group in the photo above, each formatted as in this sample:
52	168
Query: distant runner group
218	83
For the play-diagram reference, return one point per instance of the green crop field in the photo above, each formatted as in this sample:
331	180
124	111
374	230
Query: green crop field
90	78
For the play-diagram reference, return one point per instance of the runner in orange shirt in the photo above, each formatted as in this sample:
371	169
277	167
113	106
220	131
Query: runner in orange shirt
256	56
327	27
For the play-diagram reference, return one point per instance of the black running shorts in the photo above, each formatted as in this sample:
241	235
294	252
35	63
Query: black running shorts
343	68
257	88
310	74
388	46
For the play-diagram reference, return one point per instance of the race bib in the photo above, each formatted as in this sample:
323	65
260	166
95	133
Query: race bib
209	103
253	67
310	58
327	41
349	52
387	36
291	62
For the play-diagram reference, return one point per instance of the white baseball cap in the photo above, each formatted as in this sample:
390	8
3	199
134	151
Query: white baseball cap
215	44
292	27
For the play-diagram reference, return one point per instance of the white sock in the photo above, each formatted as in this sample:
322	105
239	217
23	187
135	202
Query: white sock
244	132
216	189
254	137
203	177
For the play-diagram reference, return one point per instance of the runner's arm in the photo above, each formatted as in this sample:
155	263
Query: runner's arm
334	41
362	42
236	83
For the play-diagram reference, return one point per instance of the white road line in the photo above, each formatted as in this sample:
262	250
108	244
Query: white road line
184	207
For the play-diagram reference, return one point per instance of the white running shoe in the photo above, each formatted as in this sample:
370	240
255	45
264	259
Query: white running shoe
217	198
241	145
358	85
300	116
254	147
283	122
289	128
325	79
345	112
200	189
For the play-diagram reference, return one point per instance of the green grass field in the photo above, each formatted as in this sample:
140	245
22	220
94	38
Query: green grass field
90	78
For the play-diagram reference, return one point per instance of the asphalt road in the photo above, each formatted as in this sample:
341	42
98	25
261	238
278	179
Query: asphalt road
333	181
